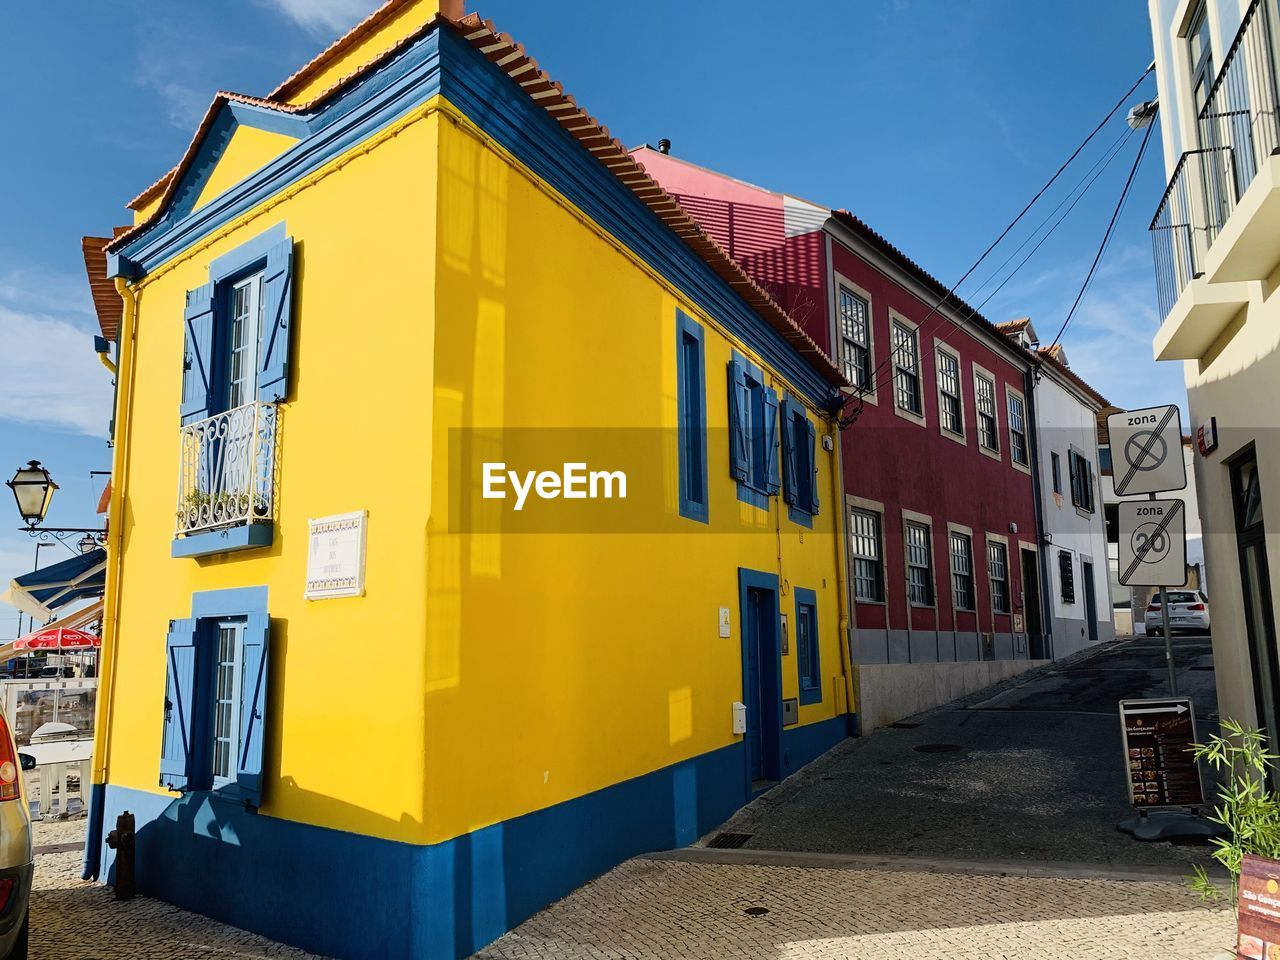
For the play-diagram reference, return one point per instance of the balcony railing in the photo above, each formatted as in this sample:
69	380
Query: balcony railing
1179	233
226	471
1239	127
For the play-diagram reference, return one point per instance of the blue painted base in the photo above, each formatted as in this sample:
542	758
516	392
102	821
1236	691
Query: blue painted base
352	896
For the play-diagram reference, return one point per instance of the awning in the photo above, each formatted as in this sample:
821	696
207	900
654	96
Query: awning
41	592
69	628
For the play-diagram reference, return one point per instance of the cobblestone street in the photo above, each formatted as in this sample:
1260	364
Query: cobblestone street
651	908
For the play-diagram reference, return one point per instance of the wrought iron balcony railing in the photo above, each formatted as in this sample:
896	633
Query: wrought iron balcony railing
1238	127
227	469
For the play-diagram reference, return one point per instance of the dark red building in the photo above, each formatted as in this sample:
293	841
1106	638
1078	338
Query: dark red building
937	455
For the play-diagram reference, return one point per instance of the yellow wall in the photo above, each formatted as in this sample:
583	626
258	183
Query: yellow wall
484	674
248	151
412	16
346	701
563	662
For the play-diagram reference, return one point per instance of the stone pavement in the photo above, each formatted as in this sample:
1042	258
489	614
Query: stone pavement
75	920
665	908
1033	772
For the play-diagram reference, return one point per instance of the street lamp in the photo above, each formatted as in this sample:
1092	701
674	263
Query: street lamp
33	489
88	543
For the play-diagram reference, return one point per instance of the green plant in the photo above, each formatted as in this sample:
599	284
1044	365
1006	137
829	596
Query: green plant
1247	806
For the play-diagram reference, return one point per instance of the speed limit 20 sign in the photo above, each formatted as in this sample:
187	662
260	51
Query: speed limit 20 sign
1153	543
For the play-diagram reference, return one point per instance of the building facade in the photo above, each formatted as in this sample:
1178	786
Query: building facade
1073	533
1216	252
937	443
367	687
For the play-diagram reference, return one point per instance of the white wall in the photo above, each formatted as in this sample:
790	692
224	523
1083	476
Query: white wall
1065	420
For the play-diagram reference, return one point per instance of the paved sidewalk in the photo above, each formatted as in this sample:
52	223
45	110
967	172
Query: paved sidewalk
1034	772
664	908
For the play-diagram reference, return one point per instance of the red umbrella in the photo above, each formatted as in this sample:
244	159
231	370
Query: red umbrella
57	638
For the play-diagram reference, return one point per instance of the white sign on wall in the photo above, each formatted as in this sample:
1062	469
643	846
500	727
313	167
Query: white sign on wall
335	556
1146	450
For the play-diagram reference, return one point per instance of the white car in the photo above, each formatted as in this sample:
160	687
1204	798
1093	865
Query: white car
1188	610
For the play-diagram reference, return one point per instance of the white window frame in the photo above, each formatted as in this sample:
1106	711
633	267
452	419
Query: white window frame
920	519
251	350
897	319
981	373
875	510
953	530
868	394
939	347
1003	542
237	626
1011	394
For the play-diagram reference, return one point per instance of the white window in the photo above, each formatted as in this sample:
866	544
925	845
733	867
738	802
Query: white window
245	341
962	571
855	338
906	362
226	703
1017	430
985	401
919	564
998	574
950	409
868	563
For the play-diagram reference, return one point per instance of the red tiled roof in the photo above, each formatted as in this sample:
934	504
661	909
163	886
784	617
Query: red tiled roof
1016	325
106	300
511	58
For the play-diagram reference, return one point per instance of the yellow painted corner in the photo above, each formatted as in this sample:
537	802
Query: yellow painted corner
248	151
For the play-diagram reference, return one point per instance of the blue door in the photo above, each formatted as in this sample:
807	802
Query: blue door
761	677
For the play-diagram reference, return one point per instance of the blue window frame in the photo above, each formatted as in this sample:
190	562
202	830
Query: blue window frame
215	699
799	462
808	662
691	398
753	433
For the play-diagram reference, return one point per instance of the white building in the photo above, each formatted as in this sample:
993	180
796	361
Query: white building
1073	531
1216	235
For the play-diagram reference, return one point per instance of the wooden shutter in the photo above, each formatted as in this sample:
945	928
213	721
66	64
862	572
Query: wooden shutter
277	306
739	418
197	360
812	436
179	699
254	659
769	403
790	468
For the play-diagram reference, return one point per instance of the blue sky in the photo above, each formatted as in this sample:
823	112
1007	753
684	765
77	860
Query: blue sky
934	121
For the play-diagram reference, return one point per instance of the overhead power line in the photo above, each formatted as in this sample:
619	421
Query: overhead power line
950	292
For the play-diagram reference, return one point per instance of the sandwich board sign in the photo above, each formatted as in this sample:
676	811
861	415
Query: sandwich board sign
1146	450
1152	548
1158	736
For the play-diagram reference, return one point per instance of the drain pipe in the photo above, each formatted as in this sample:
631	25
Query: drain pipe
111	591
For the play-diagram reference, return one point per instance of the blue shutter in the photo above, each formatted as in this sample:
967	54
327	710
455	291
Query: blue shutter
176	742
769	403
739	422
253	707
789	469
277	296
197	373
813	465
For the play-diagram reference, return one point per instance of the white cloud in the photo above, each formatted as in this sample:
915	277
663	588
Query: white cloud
49	374
325	16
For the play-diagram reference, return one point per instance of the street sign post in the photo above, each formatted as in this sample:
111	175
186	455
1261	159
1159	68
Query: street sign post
1152	546
1158	736
1146	450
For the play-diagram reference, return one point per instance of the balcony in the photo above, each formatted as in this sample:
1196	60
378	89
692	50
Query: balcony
227	481
1213	233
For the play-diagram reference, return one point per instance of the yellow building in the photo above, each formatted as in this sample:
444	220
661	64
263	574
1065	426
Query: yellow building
504	544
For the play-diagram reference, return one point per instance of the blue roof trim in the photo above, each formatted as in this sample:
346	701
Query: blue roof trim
443	62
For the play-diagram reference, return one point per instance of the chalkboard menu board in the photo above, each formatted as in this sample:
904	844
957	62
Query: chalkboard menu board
1158	736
